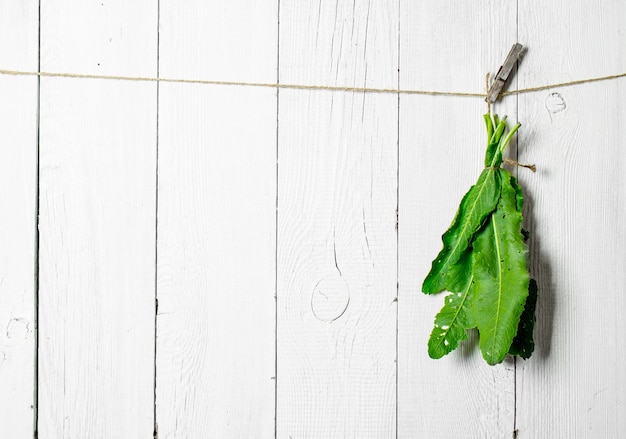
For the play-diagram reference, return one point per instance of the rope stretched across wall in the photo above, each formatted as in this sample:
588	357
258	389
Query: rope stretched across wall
306	87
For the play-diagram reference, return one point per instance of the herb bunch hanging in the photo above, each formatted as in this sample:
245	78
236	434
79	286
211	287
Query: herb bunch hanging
484	264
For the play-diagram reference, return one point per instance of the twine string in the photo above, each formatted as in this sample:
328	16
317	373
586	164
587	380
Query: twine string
306	87
487	85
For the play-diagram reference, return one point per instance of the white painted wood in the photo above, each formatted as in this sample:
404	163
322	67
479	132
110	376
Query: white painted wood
575	385
97	222
337	222
217	222
102	37
442	144
330	369
233	40
18	195
217	198
19	34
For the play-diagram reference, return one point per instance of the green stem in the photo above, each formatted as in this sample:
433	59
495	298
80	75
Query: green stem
500	127
508	137
489	125
497	158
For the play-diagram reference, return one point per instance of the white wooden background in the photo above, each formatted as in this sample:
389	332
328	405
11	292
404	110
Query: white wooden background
222	261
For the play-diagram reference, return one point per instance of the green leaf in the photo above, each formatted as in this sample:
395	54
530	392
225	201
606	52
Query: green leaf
500	267
456	315
475	207
523	343
519	196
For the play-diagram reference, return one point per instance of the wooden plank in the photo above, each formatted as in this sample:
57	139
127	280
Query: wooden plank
217	222
18	195
217	208
221	41
442	144
337	222
97	222
575	385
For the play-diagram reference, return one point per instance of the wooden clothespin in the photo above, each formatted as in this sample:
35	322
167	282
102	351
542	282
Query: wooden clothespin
515	54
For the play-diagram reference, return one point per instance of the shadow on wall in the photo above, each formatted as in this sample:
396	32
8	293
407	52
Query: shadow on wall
541	271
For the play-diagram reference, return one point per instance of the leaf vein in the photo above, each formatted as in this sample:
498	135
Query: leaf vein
497	244
467	223
456	314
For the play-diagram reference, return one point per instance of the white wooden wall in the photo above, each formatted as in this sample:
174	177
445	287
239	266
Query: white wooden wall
213	261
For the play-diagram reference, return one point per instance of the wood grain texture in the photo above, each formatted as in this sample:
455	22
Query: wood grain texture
217	208
97	222
308	321
442	145
18	195
337	217
217	222
232	40
575	385
105	37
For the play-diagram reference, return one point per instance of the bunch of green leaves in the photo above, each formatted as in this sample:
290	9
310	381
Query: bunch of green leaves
484	264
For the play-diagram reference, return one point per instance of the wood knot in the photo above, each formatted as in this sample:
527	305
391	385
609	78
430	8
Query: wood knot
330	298
555	103
18	329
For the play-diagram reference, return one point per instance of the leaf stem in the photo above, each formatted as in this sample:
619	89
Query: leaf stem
489	125
500	127
508	137
502	142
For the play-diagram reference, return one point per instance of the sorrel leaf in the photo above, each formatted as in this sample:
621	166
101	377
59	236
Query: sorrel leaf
500	267
483	264
475	206
523	343
456	315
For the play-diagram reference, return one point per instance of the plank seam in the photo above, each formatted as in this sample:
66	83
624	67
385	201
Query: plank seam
398	208
155	433
37	208
514	435
276	224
